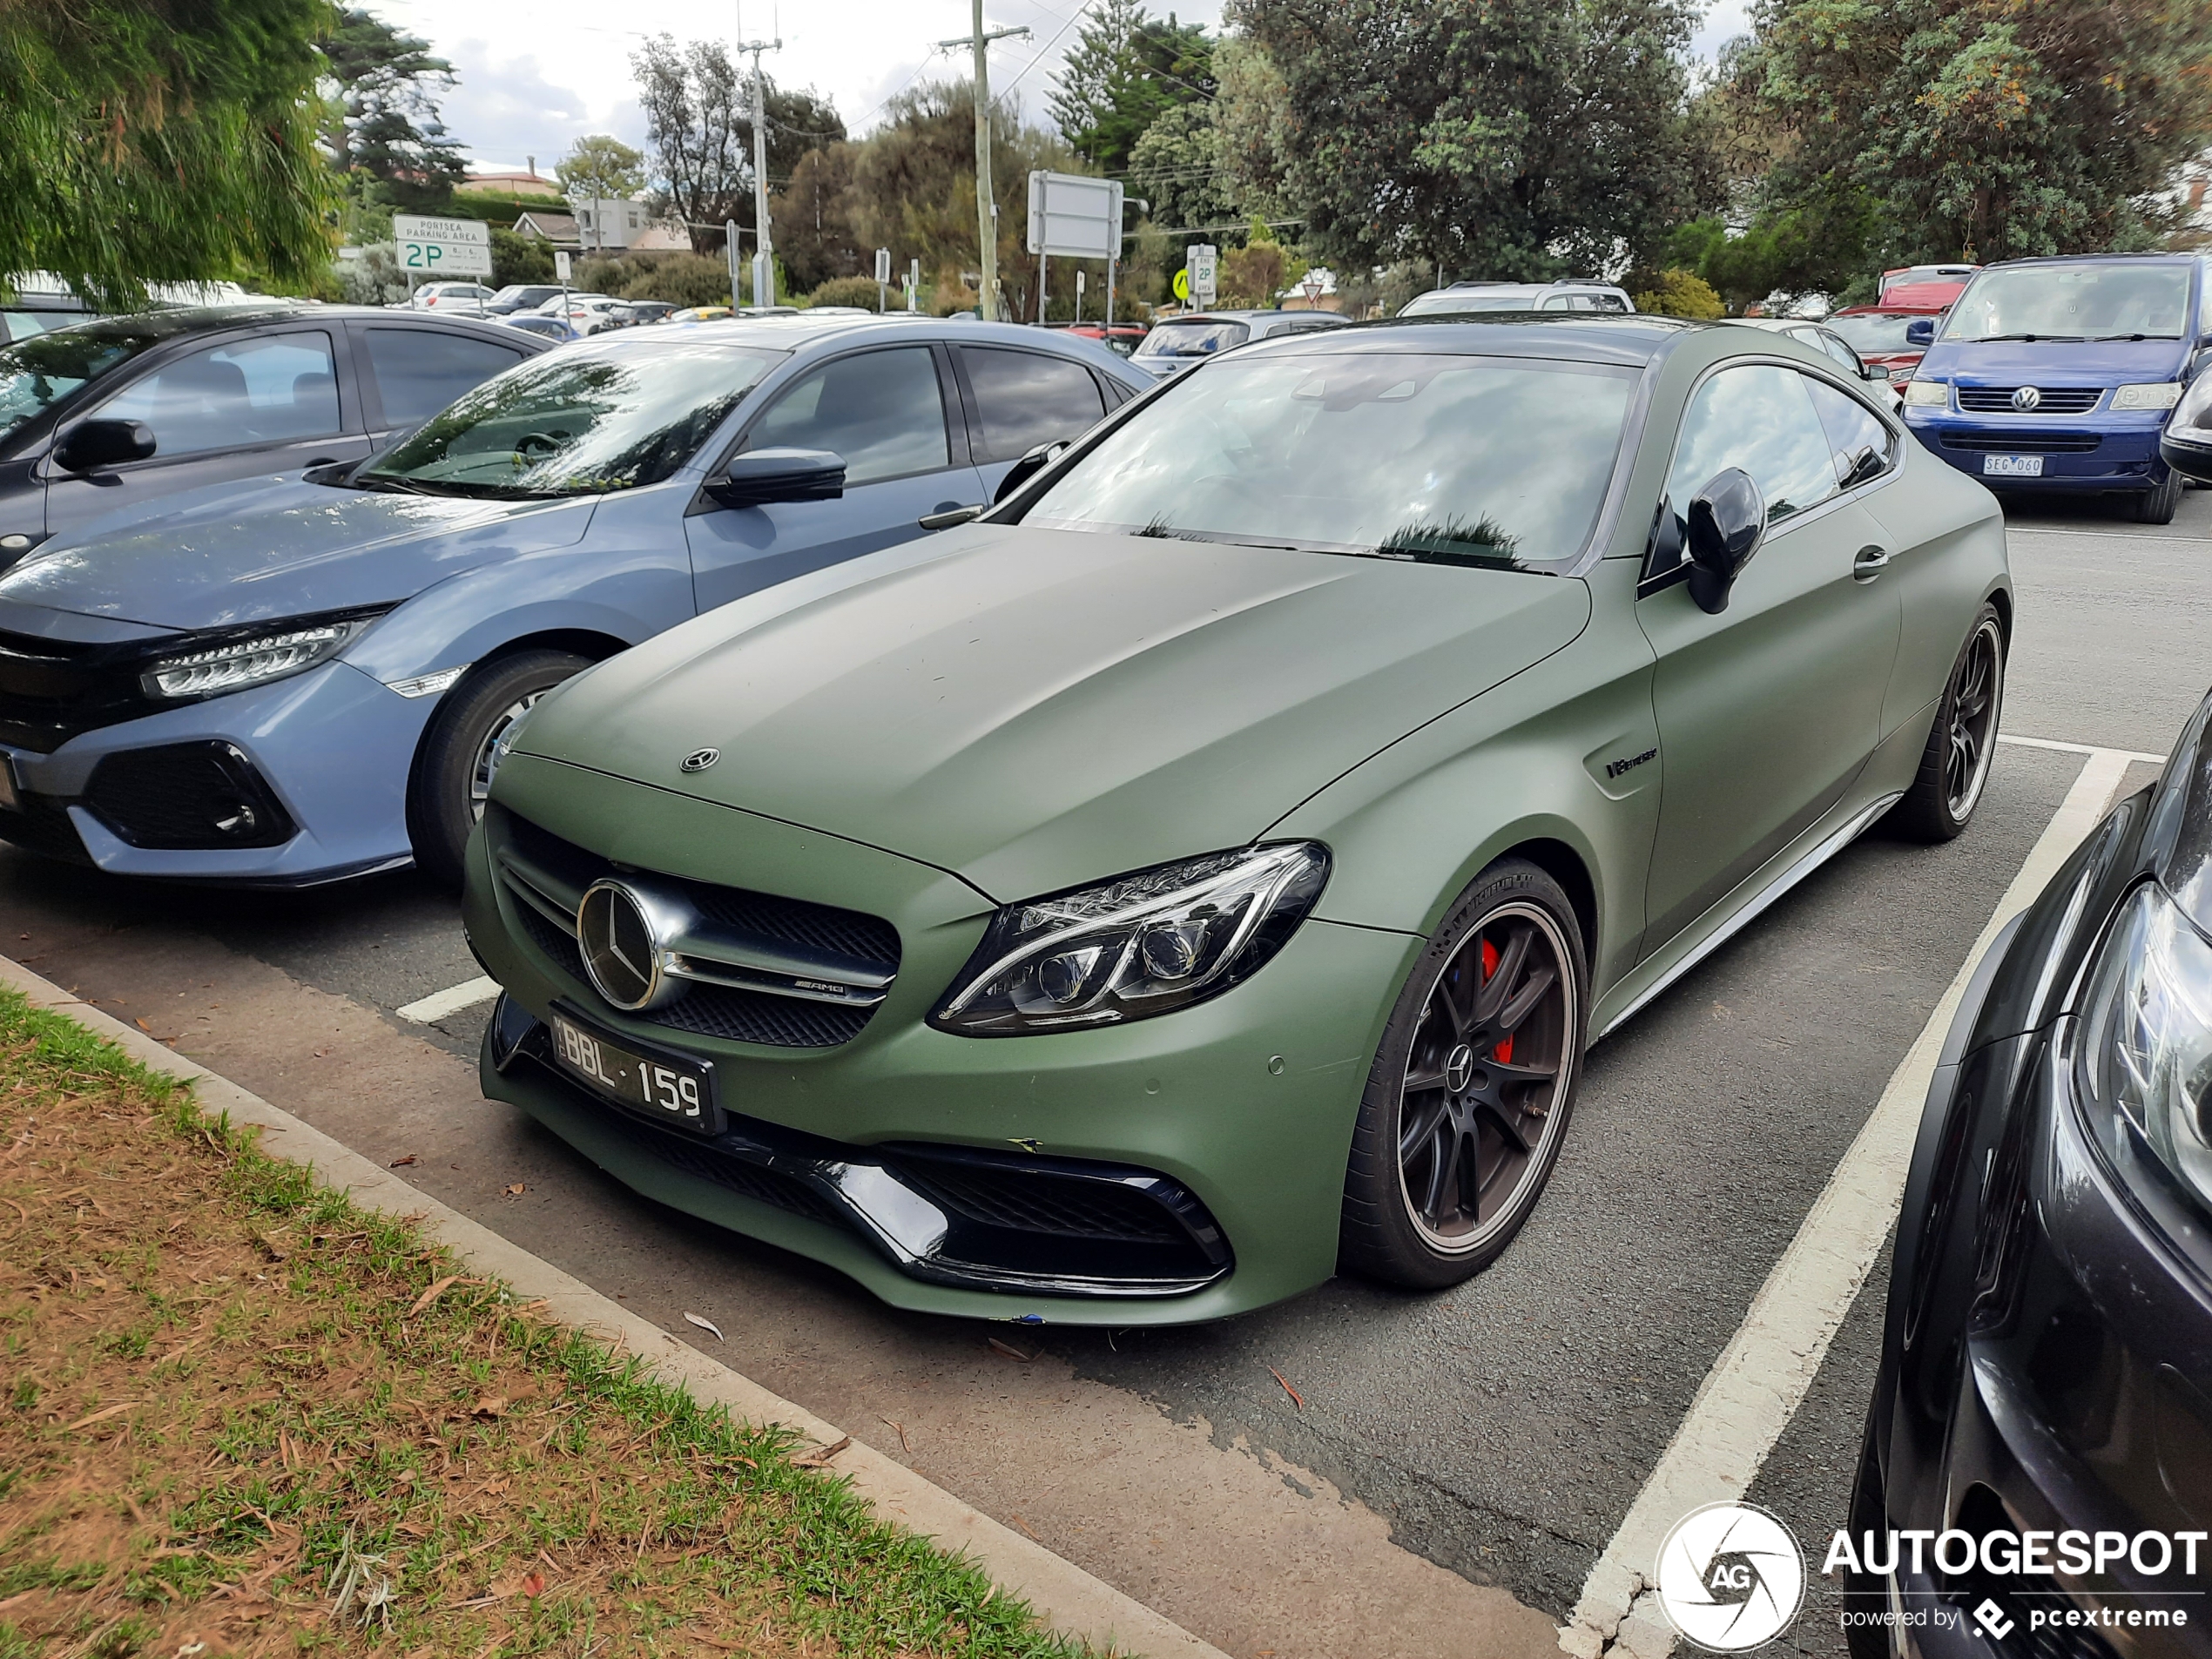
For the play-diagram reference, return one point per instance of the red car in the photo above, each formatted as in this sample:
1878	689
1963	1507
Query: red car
1877	333
1122	338
1924	287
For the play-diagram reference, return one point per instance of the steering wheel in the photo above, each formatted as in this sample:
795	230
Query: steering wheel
530	440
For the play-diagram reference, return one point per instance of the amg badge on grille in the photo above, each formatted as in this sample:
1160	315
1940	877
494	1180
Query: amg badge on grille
701	760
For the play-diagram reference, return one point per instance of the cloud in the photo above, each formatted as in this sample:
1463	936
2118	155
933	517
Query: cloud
505	109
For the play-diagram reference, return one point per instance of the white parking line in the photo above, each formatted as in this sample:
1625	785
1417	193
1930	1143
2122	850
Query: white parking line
438	1004
2077	748
1757	1383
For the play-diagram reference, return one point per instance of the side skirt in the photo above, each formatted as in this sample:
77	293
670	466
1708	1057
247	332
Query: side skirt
1722	924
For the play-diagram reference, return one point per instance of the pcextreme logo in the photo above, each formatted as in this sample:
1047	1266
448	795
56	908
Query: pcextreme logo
1731	1576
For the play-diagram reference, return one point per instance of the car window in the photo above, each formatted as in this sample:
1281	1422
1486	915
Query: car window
421	370
1026	398
882	410
46	369
1193	337
1608	302
1757	416
230	396
1835	348
1863	445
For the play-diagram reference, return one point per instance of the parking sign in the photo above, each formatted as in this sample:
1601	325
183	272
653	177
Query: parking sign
442	247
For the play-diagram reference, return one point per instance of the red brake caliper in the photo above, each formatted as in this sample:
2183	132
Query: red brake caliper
1503	1053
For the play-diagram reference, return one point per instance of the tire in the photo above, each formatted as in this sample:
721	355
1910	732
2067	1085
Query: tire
453	769
2157	506
1954	766
1864	1593
1458	1132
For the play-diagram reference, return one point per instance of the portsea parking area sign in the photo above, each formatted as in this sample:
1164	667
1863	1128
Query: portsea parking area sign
442	247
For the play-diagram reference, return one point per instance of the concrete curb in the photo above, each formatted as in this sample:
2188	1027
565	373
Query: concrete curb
1065	1596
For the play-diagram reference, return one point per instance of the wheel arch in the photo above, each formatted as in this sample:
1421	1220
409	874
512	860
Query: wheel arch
1565	866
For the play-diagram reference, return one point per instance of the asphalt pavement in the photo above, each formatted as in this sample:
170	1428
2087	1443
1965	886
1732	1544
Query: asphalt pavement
1499	1430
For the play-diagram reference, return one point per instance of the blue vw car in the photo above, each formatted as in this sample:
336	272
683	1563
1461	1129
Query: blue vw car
296	681
2057	375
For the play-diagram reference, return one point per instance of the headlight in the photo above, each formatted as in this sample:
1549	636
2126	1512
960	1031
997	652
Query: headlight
1142	944
252	661
2193	417
1927	395
2146	1045
2159	395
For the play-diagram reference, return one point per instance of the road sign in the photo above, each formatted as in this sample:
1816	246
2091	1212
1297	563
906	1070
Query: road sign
442	247
883	264
1074	218
1202	261
1181	285
560	266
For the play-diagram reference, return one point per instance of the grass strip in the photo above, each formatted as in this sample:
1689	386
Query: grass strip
235	1420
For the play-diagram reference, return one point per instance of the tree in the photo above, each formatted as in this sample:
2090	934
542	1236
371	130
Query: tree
698	124
1506	138
1988	129
814	236
1681	294
601	168
1177	165
1125	71
519	258
145	140
1821	245
384	126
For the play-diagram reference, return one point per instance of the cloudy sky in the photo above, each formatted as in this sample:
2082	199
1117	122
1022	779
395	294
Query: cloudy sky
536	75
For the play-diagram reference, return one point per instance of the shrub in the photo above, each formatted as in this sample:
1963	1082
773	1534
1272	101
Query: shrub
1682	294
681	280
845	291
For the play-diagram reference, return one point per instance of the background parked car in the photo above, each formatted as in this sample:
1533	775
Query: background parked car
1175	343
103	420
1123	339
587	313
702	314
1570	296
544	328
292	681
634	313
1924	287
1830	344
2056	376
521	296
1879	335
469	297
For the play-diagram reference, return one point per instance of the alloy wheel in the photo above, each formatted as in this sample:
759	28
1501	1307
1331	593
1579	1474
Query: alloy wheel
492	751
1976	685
1486	1077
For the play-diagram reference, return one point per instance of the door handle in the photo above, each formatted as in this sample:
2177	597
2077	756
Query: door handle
1870	563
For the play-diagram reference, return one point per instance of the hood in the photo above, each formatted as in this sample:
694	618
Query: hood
1036	709
277	547
2056	362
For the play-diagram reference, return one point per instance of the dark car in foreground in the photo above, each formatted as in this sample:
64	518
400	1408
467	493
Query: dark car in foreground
2056	376
105	419
2047	1363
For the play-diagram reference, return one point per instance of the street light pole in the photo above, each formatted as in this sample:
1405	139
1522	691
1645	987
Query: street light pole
987	211
764	260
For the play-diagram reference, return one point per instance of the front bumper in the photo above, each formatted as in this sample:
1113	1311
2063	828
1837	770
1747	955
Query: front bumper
2096	452
1244	1103
332	746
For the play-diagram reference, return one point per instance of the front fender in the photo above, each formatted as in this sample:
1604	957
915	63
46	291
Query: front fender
1527	761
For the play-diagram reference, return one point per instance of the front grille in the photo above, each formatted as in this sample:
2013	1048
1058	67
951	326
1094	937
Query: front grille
2055	399
187	795
2009	443
838	937
52	690
747	1180
1031	1201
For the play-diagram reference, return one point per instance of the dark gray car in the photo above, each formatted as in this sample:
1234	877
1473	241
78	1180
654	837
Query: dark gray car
114	413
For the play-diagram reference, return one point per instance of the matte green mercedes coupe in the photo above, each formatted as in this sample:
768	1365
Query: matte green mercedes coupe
1207	869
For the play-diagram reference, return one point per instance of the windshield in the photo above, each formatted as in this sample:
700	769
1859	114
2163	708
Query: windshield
1456	460
1193	337
1873	335
2074	302
1442	300
575	423
38	372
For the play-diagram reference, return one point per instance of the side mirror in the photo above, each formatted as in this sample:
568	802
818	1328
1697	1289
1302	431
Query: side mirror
1028	467
1877	372
1727	522
1921	331
760	476
93	444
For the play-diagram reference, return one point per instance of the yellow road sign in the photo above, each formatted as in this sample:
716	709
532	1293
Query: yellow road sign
1183	285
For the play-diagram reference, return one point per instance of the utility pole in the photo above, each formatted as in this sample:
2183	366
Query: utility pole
764	253
987	211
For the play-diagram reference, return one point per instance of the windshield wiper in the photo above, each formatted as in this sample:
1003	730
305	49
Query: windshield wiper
2104	337
1984	340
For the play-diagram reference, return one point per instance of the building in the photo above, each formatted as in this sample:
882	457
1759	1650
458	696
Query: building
525	183
593	225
